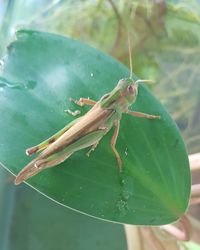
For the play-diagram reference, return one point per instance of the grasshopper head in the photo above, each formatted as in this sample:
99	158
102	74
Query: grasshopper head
123	95
128	89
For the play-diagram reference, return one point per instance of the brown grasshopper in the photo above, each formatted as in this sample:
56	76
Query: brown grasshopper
88	129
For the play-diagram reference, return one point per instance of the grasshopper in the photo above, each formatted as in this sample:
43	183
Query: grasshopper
87	130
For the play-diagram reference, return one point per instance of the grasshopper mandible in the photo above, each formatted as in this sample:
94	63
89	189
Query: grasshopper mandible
88	129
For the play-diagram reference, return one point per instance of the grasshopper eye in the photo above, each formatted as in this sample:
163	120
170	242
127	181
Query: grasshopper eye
130	89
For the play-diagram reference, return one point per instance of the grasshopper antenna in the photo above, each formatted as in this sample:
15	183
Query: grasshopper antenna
130	56
131	64
146	81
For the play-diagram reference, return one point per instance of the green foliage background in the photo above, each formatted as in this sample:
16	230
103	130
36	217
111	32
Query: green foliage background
165	38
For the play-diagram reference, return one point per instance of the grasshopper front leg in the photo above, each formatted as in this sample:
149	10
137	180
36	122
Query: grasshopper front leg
113	142
144	115
83	101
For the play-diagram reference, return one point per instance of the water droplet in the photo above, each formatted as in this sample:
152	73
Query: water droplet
122	181
126	195
30	84
126	151
91	74
127	187
2	63
122	206
17	28
5	83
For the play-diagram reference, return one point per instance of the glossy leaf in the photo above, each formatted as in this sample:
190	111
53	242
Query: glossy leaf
41	72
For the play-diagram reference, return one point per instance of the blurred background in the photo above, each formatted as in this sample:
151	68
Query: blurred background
165	43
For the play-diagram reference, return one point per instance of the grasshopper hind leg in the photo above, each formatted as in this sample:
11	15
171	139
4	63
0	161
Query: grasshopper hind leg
36	166
53	162
41	163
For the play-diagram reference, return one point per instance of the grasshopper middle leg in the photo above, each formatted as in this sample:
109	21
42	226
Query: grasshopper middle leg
92	148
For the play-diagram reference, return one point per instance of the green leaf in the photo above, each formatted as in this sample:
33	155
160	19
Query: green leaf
33	222
41	72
